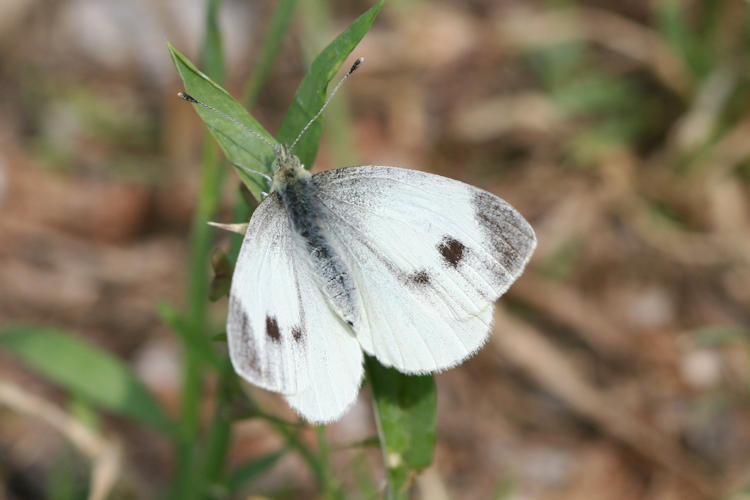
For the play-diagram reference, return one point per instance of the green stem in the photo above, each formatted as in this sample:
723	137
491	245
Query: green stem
277	30
212	174
329	489
292	439
194	336
189	482
220	432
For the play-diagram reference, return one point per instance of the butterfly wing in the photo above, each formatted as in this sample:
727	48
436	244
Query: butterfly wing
430	255
266	333
334	360
282	334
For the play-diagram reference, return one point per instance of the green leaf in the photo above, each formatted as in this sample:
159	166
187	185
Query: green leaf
238	144
312	91
251	470
246	149
406	414
89	372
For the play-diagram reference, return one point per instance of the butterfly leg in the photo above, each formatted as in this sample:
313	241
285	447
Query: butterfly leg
251	171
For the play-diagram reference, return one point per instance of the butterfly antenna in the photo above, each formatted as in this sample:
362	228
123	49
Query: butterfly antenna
354	67
193	100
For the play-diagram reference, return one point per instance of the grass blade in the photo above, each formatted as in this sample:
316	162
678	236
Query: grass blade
249	471
212	50
277	29
190	479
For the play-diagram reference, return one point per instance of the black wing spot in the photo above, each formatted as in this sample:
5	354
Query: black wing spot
247	345
297	333
420	278
272	329
452	250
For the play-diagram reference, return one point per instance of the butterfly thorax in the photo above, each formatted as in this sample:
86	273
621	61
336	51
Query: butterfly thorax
287	169
295	188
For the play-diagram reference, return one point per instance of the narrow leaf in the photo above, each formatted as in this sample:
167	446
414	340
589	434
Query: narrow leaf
312	91
251	470
405	411
87	371
240	146
277	29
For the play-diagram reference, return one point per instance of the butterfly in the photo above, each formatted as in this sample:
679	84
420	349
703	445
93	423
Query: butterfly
400	264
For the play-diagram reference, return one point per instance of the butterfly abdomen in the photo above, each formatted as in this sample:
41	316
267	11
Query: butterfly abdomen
331	273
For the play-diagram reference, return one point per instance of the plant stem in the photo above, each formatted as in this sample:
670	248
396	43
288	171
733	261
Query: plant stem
329	490
220	432
189	482
277	30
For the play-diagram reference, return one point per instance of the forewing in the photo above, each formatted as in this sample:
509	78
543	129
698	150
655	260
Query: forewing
429	255
266	328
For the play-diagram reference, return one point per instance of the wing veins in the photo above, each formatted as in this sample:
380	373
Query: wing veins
434	212
445	292
344	178
363	240
479	247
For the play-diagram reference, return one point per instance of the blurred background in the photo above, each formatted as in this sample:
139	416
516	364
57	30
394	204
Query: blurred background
619	366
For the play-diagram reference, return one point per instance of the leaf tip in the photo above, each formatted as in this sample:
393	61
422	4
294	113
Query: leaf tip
171	48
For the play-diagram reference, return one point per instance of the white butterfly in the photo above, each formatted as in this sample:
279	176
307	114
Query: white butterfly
401	264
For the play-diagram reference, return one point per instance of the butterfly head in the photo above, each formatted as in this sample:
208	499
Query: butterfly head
287	168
